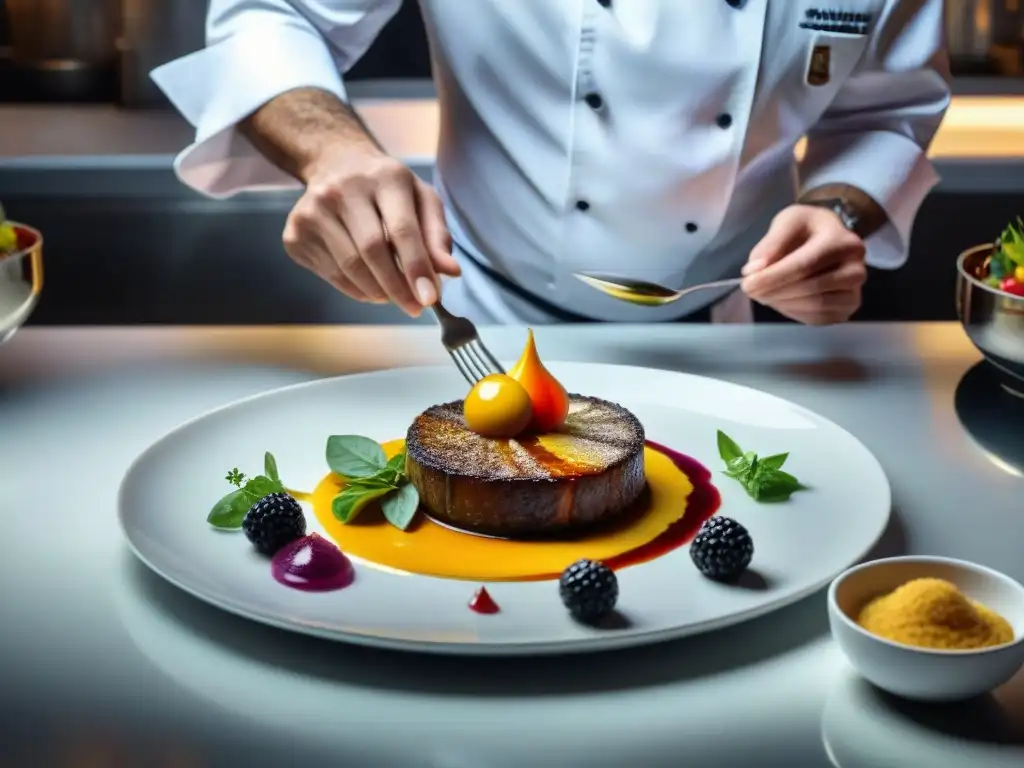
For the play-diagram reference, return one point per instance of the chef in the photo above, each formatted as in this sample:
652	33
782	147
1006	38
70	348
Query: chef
650	139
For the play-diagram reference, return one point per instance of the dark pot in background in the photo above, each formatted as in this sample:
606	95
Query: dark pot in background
153	33
65	49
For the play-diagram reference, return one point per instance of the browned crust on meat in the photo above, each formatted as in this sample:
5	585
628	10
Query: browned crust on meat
517	488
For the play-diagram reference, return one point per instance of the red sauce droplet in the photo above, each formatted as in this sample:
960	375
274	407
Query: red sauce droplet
482	602
703	502
312	564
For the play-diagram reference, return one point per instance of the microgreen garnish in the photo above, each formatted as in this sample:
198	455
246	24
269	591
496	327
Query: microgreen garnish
762	479
370	476
229	511
235	477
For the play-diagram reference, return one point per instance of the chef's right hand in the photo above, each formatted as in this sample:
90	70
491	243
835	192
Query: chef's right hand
363	210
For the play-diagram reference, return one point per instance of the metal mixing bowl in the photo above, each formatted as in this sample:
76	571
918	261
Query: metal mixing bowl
21	280
992	319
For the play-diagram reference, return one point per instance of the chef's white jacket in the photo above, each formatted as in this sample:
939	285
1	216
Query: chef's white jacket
647	138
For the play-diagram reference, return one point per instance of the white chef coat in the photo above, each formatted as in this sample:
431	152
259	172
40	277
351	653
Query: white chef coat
647	138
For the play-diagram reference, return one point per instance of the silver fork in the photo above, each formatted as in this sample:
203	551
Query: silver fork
460	337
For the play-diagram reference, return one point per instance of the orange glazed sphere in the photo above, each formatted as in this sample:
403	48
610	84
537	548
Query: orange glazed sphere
497	406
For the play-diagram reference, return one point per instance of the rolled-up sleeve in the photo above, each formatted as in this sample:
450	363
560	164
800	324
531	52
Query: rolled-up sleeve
256	50
876	133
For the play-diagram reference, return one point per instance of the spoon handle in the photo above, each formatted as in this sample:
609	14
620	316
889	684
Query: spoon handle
717	284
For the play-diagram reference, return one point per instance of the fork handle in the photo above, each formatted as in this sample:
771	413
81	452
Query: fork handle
440	313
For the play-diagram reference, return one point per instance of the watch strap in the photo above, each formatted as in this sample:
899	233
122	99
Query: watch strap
840	208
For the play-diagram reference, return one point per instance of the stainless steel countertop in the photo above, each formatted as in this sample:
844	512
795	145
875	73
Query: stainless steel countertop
103	664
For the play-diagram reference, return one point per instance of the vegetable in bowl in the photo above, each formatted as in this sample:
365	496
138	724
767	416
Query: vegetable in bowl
1004	269
8	237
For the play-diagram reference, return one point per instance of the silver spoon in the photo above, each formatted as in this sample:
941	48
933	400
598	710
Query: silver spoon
644	293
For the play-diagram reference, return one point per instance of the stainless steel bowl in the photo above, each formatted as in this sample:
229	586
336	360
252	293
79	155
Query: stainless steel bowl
21	280
993	319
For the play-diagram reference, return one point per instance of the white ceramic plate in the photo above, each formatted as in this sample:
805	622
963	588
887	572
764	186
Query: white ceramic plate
799	546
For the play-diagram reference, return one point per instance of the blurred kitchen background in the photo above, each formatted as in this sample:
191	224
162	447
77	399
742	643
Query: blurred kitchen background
87	142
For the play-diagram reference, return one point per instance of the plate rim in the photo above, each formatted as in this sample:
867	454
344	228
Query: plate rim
604	641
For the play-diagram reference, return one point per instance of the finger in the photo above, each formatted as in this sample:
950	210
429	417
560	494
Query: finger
306	247
785	235
813	257
435	231
826	309
847	276
366	228
348	262
398	210
346	286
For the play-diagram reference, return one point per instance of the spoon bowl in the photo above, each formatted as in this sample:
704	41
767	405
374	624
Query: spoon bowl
643	293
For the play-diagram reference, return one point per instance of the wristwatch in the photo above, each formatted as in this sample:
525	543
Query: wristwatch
840	208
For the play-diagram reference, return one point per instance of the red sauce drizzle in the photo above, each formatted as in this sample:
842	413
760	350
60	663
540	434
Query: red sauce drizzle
702	504
482	602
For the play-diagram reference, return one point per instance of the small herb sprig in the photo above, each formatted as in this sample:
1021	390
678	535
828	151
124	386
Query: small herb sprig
229	511
763	479
370	476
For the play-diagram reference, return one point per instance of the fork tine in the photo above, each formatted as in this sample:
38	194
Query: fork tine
478	352
488	358
461	365
471	362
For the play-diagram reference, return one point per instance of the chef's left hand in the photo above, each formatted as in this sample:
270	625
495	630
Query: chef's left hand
808	267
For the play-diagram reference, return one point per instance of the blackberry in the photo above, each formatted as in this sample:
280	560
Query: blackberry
722	549
589	590
273	521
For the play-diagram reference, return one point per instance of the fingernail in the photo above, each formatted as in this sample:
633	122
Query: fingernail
752	266
426	291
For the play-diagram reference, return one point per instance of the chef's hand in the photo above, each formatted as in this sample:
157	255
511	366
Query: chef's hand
362	210
808	267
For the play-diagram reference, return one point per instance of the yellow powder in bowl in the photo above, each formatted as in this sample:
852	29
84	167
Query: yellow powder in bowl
932	613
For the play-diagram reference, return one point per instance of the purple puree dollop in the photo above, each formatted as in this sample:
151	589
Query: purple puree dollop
312	564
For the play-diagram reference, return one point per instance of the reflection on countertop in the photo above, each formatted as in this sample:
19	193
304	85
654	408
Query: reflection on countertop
985	408
863	727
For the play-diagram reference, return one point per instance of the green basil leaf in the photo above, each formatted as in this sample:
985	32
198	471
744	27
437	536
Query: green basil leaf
727	448
778	477
229	511
774	462
384	479
397	463
740	463
270	467
769	493
261	485
776	485
399	507
355	456
351	501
